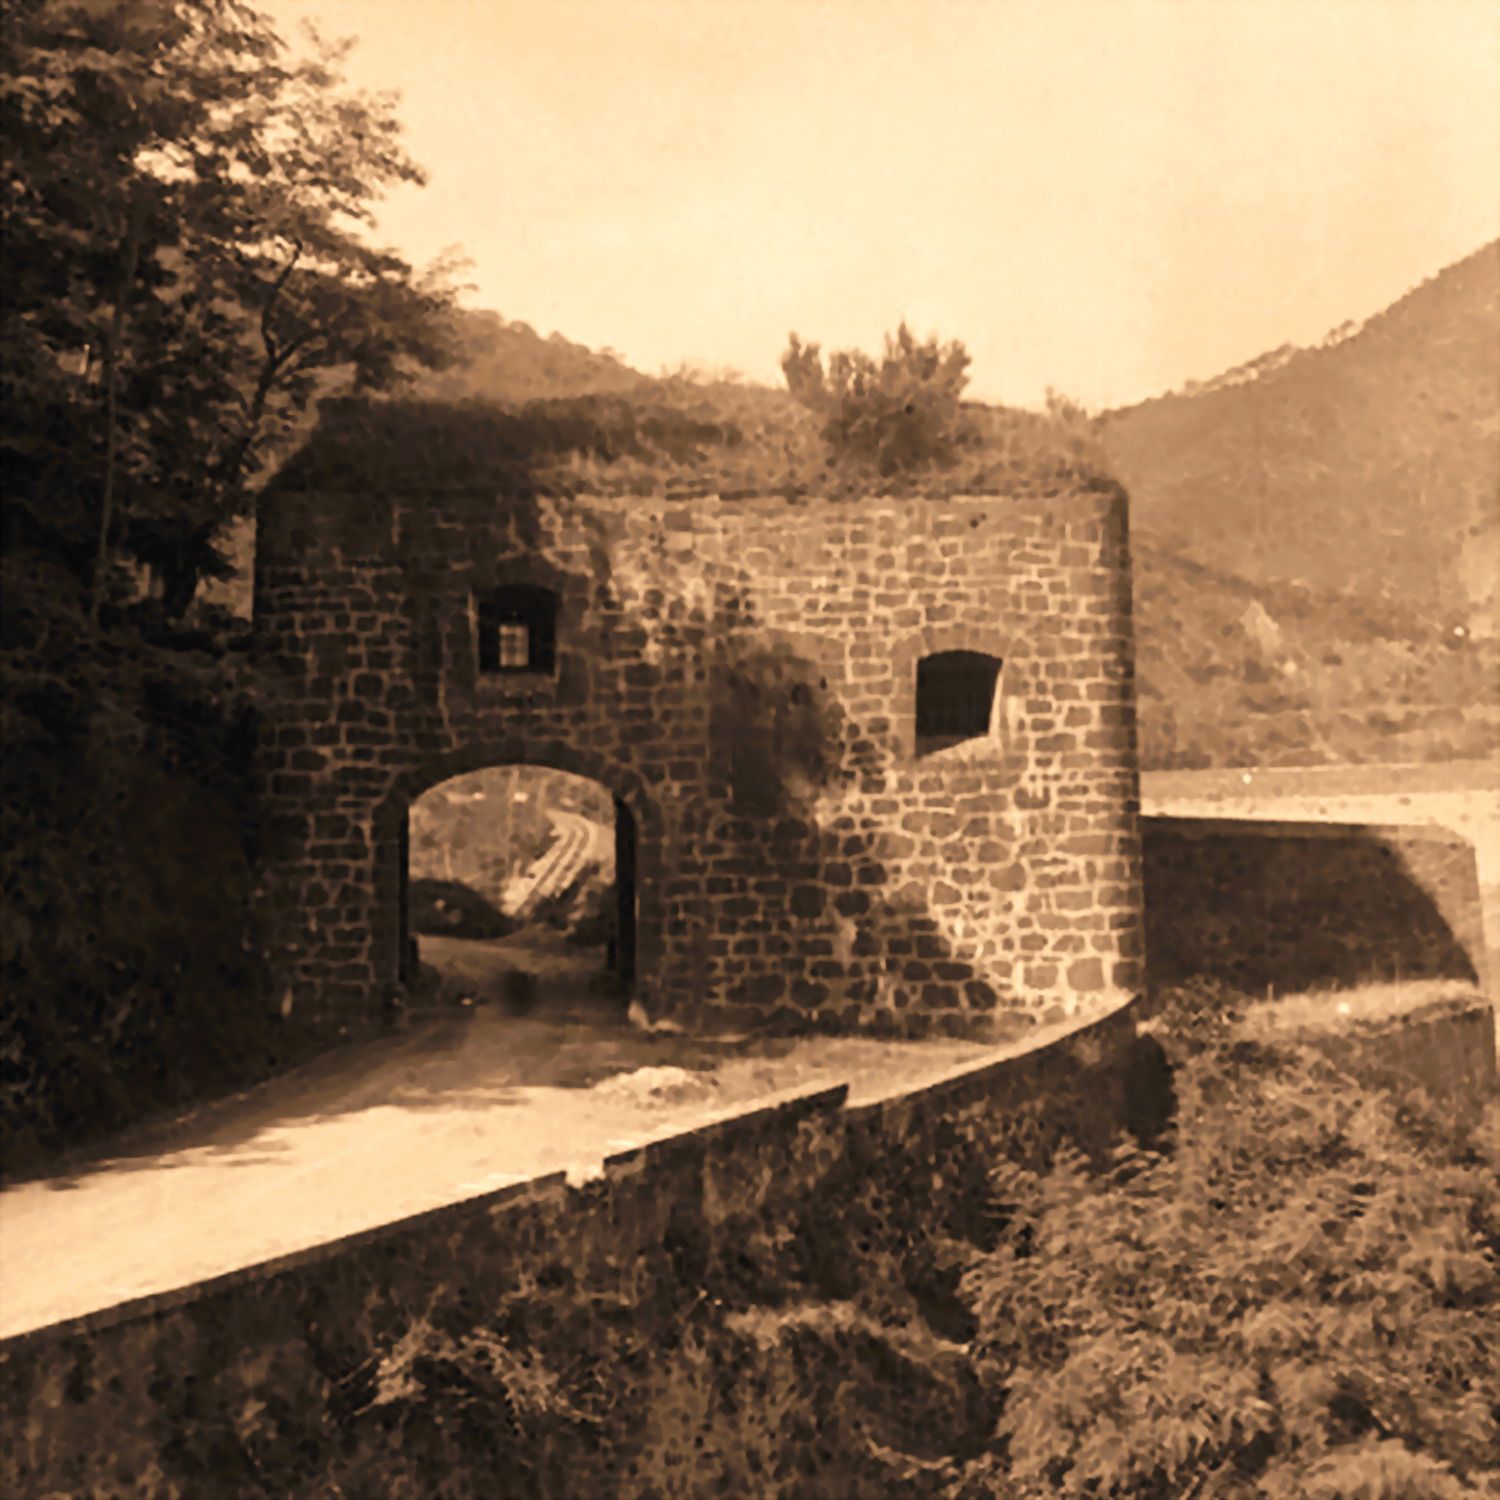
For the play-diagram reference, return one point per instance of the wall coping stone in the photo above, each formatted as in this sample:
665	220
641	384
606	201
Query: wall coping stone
965	1084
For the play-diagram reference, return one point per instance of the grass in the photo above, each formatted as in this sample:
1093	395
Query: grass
1365	1004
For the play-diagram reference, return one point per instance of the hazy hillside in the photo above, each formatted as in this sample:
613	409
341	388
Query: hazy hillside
1234	673
1370	465
511	362
1310	528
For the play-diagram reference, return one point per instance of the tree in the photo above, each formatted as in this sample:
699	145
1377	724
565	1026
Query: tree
186	212
899	415
187	267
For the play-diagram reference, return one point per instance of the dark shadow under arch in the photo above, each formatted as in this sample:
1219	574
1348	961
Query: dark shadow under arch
637	846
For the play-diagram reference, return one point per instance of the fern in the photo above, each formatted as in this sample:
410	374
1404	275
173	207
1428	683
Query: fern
1306	1288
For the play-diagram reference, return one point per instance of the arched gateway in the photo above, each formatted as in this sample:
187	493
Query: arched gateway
632	807
840	820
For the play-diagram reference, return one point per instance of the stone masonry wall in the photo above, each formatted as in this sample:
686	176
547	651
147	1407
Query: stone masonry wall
1298	906
638	1335
742	674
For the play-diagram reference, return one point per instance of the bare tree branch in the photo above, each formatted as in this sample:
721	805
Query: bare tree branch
269	304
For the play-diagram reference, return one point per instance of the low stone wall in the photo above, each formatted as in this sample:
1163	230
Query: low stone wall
721	1312
1298	906
1446	1049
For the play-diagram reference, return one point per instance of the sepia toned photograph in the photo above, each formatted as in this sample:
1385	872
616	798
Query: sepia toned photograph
749	748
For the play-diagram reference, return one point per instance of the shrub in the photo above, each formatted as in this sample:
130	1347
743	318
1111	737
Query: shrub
1300	1299
899	415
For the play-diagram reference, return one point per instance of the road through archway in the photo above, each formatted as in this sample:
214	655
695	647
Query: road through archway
519	890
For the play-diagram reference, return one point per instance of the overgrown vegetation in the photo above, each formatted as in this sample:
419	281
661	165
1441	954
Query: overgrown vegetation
1292	1291
131	978
186	268
899	414
1300	1298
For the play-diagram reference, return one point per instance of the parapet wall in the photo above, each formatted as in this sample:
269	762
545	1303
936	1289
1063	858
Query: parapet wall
1298	906
558	1336
742	674
1446	1048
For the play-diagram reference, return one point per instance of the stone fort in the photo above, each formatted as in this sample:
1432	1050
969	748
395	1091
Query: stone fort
873	760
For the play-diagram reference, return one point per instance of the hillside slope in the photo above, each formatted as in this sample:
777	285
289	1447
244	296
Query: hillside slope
1335	620
1232	673
1369	466
509	361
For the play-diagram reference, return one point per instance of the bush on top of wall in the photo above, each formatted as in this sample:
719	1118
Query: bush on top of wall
680	438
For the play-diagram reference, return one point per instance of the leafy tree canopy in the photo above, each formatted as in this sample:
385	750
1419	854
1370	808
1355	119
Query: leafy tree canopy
188	267
186	208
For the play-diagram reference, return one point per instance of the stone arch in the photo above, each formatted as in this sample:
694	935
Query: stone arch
631	794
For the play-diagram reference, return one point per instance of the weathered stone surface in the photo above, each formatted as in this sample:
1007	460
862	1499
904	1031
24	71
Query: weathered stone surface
534	1341
742	676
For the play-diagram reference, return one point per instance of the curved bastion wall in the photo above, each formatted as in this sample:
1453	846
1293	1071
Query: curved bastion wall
880	754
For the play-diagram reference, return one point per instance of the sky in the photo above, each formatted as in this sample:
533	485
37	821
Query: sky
1105	197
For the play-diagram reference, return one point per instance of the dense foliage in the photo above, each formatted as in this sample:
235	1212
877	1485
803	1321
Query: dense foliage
901	413
131	979
1301	1298
185	269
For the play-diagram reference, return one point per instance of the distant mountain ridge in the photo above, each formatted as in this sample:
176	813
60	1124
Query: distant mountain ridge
1254	369
1369	465
1317	530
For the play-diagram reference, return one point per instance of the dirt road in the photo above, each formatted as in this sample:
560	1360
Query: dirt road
461	1105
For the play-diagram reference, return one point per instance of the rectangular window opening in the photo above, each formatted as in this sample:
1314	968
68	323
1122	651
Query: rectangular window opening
956	693
517	630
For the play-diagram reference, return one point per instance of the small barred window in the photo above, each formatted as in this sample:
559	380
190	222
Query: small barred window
518	630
